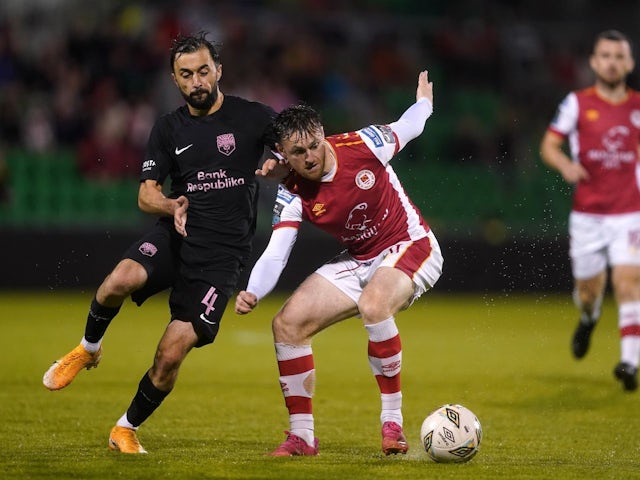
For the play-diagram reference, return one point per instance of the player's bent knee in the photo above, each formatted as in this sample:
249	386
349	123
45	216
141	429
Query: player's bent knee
286	330
626	292
374	312
127	277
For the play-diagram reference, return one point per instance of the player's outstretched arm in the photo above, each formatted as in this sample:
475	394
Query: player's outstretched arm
267	270
411	124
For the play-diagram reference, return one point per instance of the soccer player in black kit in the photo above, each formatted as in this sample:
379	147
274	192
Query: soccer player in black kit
210	149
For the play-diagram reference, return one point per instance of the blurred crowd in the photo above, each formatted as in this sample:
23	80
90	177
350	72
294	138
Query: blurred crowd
93	76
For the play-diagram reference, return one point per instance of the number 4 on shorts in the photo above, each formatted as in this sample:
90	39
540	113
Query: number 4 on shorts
209	300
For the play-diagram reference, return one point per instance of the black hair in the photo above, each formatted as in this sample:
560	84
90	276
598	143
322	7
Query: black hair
615	35
297	119
192	43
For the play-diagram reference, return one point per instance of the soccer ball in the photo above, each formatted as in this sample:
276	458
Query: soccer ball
451	434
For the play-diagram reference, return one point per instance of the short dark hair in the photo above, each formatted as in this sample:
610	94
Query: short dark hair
615	35
192	43
297	119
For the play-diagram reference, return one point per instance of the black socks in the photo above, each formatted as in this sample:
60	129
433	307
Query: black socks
146	400
98	320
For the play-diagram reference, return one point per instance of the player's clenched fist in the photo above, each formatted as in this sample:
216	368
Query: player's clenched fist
245	302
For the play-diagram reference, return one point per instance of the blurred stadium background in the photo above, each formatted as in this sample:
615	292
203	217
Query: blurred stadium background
81	84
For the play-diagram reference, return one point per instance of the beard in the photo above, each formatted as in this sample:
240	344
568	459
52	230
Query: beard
612	80
201	99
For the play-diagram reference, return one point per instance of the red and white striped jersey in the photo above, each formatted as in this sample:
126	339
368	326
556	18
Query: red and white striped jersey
604	138
366	219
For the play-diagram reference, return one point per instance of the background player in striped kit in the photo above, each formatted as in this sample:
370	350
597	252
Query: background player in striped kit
602	124
344	185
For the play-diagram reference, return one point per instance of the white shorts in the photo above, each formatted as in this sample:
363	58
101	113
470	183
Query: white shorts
421	260
596	241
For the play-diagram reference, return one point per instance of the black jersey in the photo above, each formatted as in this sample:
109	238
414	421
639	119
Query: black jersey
212	161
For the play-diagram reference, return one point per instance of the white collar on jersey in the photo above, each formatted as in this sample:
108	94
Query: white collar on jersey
328	177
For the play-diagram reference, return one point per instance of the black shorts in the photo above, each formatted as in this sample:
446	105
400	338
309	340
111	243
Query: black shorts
199	292
158	251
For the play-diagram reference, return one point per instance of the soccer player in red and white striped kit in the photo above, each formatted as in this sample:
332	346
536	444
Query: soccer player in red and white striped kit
602	126
344	185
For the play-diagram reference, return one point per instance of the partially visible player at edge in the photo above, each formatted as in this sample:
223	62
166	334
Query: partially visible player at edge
210	149
345	186
602	126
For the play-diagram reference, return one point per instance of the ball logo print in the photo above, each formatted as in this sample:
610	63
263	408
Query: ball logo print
453	416
448	434
451	434
426	440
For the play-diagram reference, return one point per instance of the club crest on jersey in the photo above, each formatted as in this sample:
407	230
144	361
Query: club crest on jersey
148	249
226	143
635	118
365	179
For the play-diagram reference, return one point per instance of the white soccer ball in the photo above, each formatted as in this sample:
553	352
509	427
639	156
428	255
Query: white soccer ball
451	434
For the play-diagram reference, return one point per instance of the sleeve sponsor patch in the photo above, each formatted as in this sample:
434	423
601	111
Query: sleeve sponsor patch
387	133
148	165
283	198
372	134
379	135
277	213
284	195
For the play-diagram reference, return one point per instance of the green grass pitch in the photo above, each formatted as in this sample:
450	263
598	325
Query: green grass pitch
506	357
